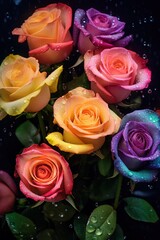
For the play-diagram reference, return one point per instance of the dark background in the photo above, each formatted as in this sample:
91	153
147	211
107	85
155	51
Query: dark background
143	21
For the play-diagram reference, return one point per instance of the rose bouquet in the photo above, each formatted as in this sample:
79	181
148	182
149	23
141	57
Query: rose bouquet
85	141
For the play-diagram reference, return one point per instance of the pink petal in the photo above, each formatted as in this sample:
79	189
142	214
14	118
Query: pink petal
7	180
143	79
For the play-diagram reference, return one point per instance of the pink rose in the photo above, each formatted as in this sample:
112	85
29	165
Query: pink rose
115	72
7	193
44	174
47	33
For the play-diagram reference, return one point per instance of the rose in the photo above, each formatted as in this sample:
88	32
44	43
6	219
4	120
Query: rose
8	192
115	72
23	87
44	174
93	29
85	119
47	33
136	147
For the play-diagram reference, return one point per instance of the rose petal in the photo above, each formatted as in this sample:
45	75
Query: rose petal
56	139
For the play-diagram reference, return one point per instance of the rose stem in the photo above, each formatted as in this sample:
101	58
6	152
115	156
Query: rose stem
42	126
117	196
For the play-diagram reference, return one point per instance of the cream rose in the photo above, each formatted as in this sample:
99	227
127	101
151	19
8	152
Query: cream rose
85	119
23	87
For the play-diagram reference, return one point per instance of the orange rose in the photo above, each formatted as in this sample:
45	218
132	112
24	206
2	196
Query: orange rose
23	87
47	33
85	119
45	175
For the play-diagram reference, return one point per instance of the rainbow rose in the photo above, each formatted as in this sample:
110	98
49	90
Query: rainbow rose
136	146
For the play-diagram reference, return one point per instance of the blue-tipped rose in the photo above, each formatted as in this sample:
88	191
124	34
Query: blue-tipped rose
136	147
94	29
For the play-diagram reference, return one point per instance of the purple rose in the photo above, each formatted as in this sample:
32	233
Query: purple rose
93	29
136	147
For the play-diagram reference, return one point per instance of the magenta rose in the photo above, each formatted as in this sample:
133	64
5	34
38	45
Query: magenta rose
7	192
136	147
44	174
115	72
93	29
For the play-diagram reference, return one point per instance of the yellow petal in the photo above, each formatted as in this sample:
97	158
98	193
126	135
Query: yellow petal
56	139
52	79
16	107
71	138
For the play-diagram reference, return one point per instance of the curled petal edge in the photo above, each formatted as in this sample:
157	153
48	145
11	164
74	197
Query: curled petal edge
52	46
56	139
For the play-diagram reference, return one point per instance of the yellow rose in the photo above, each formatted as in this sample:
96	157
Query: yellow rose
23	87
47	33
85	119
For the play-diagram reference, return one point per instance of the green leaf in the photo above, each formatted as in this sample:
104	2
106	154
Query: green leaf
47	234
21	227
27	134
60	211
101	223
79	224
140	210
103	189
104	165
80	81
69	199
118	234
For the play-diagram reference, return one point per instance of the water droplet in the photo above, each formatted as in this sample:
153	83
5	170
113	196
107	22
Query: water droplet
93	220
4	130
98	232
10	134
108	222
64	102
70	226
151	19
130	174
94	238
144	56
149	91
90	228
61	215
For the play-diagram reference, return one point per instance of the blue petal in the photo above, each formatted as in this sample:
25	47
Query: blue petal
136	176
154	164
146	115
